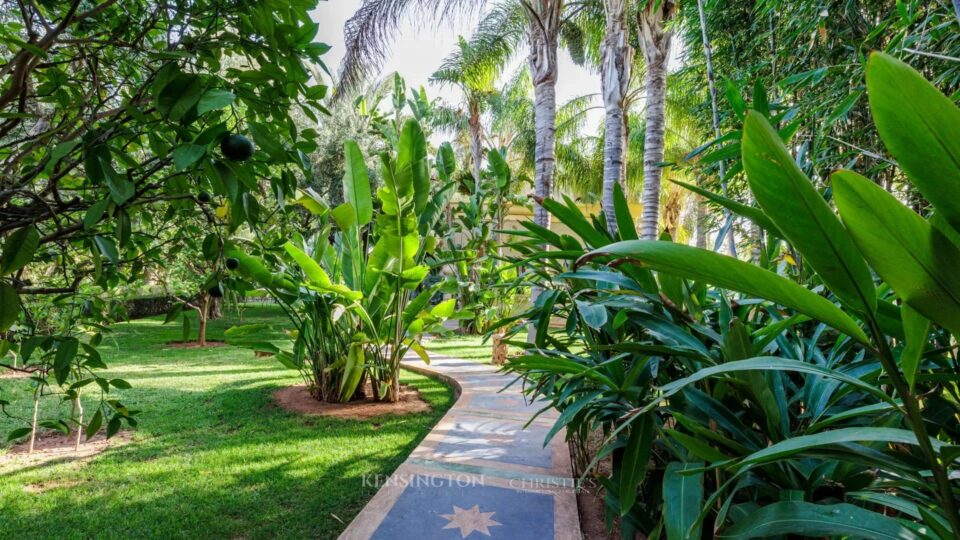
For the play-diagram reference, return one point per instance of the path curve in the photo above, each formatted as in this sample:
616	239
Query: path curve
479	473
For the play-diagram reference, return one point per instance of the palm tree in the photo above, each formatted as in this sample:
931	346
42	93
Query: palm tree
616	64
655	39
476	78
543	34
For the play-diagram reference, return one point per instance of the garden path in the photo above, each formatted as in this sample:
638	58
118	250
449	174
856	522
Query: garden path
481	472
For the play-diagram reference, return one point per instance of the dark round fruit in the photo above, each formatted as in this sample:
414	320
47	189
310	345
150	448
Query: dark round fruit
204	197
233	263
216	291
236	148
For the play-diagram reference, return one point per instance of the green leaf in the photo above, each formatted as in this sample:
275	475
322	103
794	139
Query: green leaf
921	128
211	246
817	520
593	314
770	363
95	423
186	155
356	182
179	96
636	456
344	216
795	445
9	306
916	327
498	168
626	226
113	426
18	433
446	162
95	213
412	165
444	310
914	258
788	197
214	99
18	249
66	352
729	273
682	498
107	248
120	383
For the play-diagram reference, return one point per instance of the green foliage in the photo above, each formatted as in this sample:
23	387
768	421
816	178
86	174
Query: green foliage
792	407
354	309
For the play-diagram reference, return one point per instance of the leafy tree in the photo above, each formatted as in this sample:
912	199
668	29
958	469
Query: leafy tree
116	115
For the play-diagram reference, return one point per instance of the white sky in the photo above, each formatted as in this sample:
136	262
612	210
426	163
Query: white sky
420	48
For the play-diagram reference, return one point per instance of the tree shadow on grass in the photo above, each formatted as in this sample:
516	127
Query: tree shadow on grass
233	467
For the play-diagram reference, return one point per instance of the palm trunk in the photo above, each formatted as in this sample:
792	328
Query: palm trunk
475	149
701	236
615	81
655	43
545	108
543	33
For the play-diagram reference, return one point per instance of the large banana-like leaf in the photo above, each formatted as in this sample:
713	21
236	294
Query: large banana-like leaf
917	260
317	275
356	183
446	162
412	172
921	128
729	273
788	197
817	520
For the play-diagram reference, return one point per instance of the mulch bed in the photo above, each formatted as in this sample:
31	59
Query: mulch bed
50	445
298	399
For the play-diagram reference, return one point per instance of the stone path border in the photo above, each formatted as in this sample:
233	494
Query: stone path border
479	473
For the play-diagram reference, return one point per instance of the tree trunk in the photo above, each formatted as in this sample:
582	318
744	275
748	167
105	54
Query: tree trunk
33	423
216	309
701	235
543	30
76	445
202	316
473	122
615	81
655	41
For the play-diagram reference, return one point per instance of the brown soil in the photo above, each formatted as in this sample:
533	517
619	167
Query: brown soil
194	344
593	524
298	399
51	445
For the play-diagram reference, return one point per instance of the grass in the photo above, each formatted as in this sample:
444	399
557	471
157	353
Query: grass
212	458
471	348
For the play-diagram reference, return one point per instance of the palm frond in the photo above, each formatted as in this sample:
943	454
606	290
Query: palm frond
368	34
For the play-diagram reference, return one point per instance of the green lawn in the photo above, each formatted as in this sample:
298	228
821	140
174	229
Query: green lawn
466	347
212	457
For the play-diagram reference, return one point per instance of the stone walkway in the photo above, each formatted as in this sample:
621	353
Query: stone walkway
479	473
